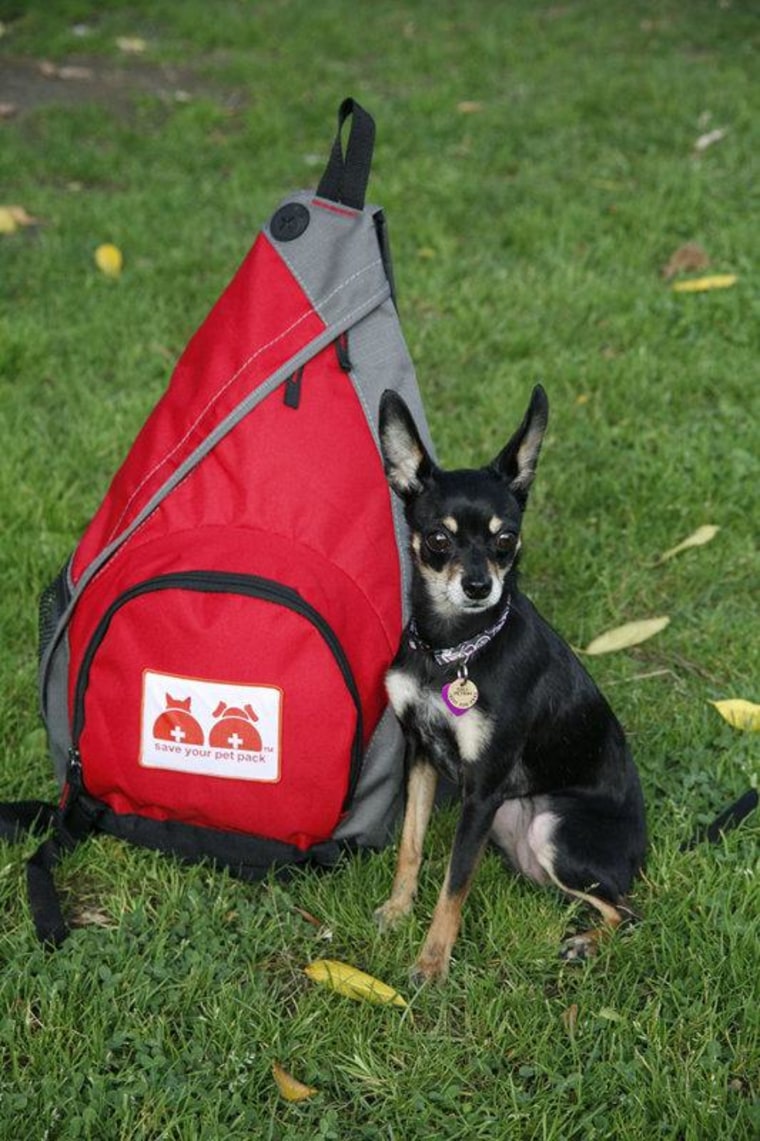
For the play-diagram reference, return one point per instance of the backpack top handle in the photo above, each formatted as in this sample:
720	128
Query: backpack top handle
346	176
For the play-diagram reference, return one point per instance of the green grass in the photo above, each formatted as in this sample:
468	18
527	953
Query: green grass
528	235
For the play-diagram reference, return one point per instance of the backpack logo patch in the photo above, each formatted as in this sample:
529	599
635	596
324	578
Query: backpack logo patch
191	725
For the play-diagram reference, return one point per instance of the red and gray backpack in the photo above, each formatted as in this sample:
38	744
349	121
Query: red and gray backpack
213	653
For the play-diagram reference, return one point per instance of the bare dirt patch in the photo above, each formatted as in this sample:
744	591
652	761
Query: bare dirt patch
27	84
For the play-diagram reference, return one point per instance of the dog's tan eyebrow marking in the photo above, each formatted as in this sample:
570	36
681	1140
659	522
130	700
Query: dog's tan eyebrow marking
495	524
450	524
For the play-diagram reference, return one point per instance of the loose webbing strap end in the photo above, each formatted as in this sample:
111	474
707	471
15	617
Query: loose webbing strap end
72	825
44	900
729	818
345	178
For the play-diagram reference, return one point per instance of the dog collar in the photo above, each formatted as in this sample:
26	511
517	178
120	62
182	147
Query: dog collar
461	653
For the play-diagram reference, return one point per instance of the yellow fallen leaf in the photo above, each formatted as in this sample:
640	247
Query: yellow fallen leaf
13	217
131	45
629	634
702	535
109	259
352	982
703	284
290	1088
739	713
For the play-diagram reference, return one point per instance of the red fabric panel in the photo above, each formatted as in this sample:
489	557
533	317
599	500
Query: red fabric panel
261	320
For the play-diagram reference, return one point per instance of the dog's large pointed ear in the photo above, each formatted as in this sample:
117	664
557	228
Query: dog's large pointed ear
517	461
407	463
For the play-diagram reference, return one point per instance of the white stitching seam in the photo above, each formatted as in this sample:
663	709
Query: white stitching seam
262	348
88	581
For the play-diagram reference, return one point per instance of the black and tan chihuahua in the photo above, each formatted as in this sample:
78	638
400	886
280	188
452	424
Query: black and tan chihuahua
492	698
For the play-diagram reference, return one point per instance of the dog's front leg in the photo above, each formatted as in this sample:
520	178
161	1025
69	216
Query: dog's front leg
419	804
469	841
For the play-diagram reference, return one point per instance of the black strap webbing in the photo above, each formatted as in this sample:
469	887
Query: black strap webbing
345	178
69	825
44	900
728	819
26	817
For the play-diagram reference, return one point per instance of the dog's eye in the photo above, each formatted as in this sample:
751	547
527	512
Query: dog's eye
506	542
438	541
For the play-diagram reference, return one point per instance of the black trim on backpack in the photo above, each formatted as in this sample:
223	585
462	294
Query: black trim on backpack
381	229
247	857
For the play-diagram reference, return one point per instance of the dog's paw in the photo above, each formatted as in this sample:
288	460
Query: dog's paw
431	967
390	914
579	948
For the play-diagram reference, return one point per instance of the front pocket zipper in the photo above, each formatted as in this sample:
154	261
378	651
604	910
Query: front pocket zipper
220	582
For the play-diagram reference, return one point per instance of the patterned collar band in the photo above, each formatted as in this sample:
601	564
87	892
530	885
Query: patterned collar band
455	655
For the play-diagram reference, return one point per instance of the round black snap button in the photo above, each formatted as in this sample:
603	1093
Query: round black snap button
289	222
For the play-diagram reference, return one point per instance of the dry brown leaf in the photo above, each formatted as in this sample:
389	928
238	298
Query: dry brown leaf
686	259
629	634
8	110
308	917
570	1018
469	107
91	917
74	71
709	139
290	1088
66	71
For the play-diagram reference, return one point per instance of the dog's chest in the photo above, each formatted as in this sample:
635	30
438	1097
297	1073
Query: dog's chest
449	741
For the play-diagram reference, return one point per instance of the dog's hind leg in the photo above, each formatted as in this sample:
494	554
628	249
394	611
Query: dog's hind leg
420	795
469	841
541	836
585	944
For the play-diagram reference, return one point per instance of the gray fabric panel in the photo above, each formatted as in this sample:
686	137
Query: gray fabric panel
57	718
380	360
379	794
352	272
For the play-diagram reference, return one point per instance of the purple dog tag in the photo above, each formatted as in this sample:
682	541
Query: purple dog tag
460	695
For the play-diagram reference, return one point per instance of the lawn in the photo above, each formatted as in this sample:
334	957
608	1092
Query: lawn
539	165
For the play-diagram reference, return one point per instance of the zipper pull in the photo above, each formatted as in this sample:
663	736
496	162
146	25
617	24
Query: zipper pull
293	389
74	784
341	350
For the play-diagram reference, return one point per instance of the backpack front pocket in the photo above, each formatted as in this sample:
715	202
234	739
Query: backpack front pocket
216	699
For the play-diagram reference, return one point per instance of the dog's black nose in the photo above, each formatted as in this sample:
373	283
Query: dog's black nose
476	588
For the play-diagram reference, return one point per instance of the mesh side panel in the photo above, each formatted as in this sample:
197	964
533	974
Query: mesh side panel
53	601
